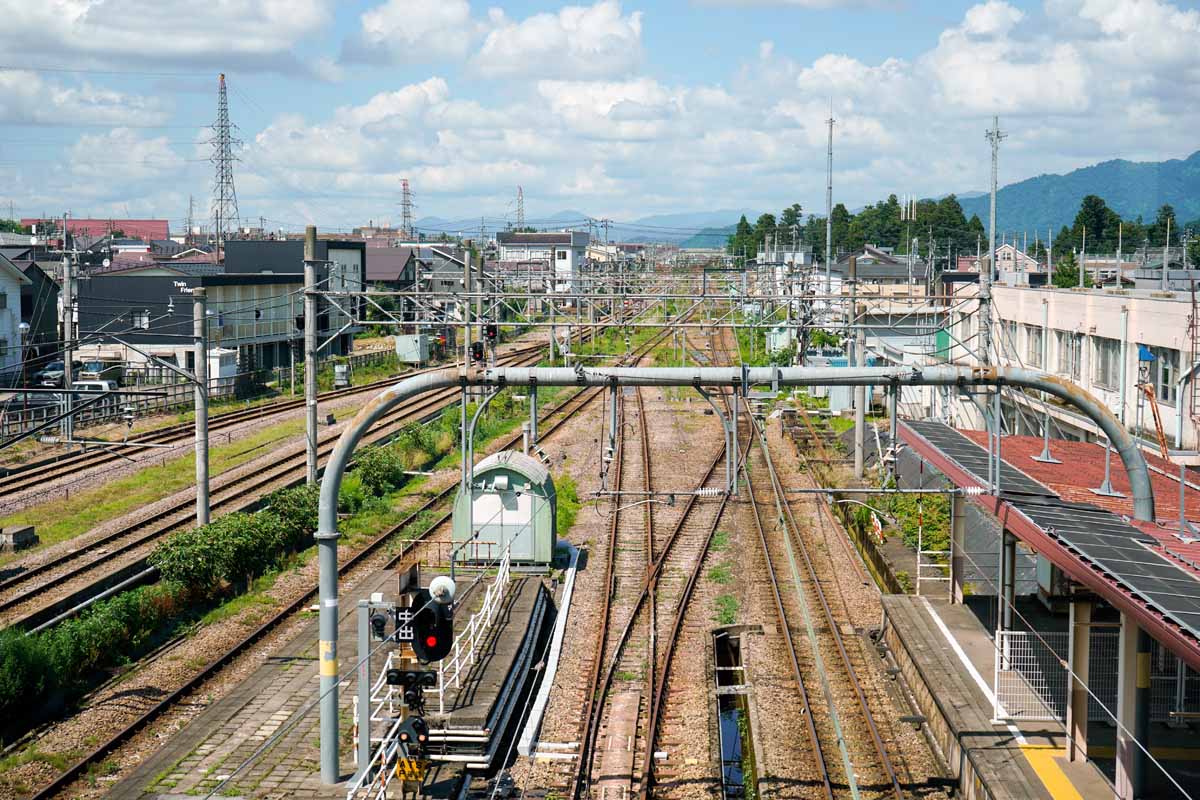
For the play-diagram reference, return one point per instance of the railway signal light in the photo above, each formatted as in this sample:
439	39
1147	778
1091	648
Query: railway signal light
413	734
433	627
414	682
379	626
491	332
477	353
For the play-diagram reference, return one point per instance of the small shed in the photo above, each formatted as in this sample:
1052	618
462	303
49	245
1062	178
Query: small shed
512	501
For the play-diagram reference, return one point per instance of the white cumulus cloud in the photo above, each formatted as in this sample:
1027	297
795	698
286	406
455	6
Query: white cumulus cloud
577	42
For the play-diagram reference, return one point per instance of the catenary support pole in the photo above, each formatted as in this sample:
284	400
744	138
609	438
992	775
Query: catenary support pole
310	352
68	334
200	332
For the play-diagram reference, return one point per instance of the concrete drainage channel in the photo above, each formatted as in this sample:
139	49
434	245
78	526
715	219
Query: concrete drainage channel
735	715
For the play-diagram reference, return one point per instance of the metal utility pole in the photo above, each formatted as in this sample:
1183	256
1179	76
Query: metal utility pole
310	352
1166	257
857	359
327	659
200	333
224	203
1082	257
829	202
466	308
994	136
68	330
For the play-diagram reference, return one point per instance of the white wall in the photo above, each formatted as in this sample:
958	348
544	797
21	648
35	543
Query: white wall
1093	314
10	333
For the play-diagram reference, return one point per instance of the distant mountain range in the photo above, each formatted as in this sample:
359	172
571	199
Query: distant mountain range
1129	188
704	226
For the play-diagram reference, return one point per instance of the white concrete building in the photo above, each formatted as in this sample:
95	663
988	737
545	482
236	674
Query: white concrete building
1093	337
11	354
566	250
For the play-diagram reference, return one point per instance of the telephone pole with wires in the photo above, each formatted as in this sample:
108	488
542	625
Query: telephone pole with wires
224	203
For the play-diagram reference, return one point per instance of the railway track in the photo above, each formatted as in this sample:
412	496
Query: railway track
555	418
651	570
38	473
32	596
850	757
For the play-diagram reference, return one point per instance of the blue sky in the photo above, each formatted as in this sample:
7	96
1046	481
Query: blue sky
615	108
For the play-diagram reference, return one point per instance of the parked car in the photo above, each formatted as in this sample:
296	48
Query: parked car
52	374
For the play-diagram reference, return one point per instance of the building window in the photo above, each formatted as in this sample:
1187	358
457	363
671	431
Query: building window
3	300
1106	362
1033	346
1070	354
141	319
1164	372
561	255
3	346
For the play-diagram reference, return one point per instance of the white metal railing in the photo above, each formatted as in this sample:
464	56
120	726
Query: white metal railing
1030	676
372	780
466	646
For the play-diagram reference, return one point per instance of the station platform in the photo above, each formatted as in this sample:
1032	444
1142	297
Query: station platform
946	657
281	692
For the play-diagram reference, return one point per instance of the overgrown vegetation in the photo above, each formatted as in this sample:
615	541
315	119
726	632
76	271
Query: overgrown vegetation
721	573
727	609
568	505
62	660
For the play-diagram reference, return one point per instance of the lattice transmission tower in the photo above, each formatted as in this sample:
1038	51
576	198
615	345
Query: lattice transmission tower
520	208
406	210
225	215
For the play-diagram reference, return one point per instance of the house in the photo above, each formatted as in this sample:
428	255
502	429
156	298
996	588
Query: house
39	310
392	269
880	272
12	280
253	314
341	267
1106	341
566	250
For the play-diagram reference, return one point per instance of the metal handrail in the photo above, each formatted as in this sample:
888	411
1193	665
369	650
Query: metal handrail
465	648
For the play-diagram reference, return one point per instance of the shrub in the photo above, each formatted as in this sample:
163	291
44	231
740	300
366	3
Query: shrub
380	469
24	671
297	507
353	495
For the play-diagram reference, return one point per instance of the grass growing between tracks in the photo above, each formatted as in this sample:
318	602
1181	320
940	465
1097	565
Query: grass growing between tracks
67	517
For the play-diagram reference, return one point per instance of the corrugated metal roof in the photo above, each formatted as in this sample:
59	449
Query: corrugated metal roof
515	460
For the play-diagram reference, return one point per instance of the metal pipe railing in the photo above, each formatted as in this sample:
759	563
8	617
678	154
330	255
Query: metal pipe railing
939	375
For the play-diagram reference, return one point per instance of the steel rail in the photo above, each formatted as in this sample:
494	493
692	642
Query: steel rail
27	475
791	530
785	626
589	723
581	399
286	469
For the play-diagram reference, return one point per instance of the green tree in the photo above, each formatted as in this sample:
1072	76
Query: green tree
742	240
1066	271
790	217
12	226
1158	229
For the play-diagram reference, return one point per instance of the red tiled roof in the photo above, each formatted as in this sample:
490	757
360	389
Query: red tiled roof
136	228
